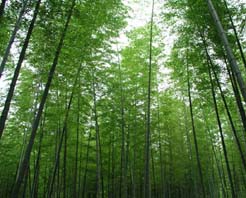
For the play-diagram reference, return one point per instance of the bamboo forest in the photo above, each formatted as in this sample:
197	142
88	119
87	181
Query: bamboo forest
123	98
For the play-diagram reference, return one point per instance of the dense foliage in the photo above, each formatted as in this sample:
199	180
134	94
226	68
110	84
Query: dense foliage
85	116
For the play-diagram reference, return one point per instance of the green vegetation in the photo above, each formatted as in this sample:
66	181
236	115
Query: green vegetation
85	115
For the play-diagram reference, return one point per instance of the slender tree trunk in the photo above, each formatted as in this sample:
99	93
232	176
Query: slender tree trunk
80	167
65	162
123	192
231	58
58	137
12	38
170	168
10	94
45	181
147	183
236	35
34	190
86	166
52	176
64	170
101	165
190	155
76	151
113	167
243	179
98	152
162	191
225	104
127	164
220	173
25	162
230	120
223	172
134	185
221	133
25	183
21	154
123	189
194	135
64	131
154	189
238	98
235	179
242	26
2	7
109	166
